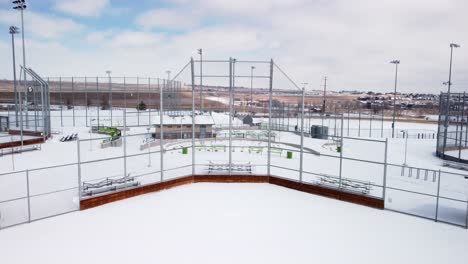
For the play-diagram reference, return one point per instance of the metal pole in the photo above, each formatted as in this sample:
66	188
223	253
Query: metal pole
149	146
270	98
138	100
14	75
341	153
201	79
24	65
192	65
324	96
302	135
61	101
461	125
438	197
231	114
99	101
79	167
86	99
149	101
161	136
125	140
384	191
251	87
29	195
110	97
125	91
394	100
73	100
359	125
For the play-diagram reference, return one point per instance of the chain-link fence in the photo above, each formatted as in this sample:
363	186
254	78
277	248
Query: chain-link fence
211	124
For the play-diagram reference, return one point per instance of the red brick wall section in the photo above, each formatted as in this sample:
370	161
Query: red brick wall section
26	142
313	189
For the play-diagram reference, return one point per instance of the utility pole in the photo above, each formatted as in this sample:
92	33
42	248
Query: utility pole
324	106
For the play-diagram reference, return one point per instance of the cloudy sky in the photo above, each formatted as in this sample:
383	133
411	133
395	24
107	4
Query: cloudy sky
350	41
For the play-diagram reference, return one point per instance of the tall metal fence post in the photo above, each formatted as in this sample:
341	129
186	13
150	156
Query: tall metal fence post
29	195
438	197
231	102
270	99
79	167
302	135
341	152
161	129
192	66
73	99
149	101
86	99
359	124
61	102
110	98
125	140
138	99
125	91
99	101
384	191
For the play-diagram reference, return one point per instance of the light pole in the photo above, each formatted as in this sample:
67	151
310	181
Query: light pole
14	30
110	94
405	134
396	62
148	141
324	107
447	110
21	5
200	51
252	68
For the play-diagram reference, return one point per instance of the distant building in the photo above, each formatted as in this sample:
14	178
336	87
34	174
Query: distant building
180	127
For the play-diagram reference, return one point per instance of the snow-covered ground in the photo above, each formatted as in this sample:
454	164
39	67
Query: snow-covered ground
233	223
320	158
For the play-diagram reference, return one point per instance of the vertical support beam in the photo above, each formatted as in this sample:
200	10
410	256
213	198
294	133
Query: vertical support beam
73	100
125	91
79	166
161	129
384	191
341	153
110	98
99	101
359	124
86	99
192	66
29	195
382	124
125	140
61	102
462	108
231	114
138	100
438	197
302	136
270	100
348	119
149	101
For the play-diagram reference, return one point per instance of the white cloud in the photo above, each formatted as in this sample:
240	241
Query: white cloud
41	25
83	8
167	19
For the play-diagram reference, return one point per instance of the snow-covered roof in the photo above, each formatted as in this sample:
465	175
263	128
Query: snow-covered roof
185	120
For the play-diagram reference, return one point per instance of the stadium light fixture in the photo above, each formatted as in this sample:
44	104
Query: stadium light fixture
396	62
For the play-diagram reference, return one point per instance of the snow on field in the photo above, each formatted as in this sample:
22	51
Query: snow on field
233	223
145	164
